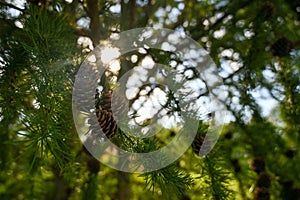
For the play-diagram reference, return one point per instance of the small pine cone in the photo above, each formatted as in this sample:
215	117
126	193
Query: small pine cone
236	165
264	180
258	165
267	10
107	123
105	100
261	194
282	47
197	143
172	133
291	153
228	135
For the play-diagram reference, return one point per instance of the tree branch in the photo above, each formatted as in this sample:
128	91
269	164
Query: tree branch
230	11
234	73
82	32
11	6
95	26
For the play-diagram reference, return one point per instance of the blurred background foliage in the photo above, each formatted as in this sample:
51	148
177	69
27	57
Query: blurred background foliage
255	45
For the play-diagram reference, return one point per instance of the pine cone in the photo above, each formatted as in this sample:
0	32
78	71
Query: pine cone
105	100
197	143
104	114
267	10
258	165
282	47
236	165
228	135
264	180
291	153
107	123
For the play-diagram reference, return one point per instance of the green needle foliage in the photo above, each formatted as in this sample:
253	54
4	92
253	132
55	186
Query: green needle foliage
45	40
171	182
216	178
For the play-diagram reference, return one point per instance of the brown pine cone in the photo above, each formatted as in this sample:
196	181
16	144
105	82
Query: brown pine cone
282	47
261	194
264	180
236	165
290	153
105	100
258	165
107	123
197	143
267	10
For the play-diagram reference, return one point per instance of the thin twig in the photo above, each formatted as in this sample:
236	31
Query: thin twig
234	73
11	6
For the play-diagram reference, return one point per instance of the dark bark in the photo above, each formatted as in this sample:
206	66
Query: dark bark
128	11
95	27
124	192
